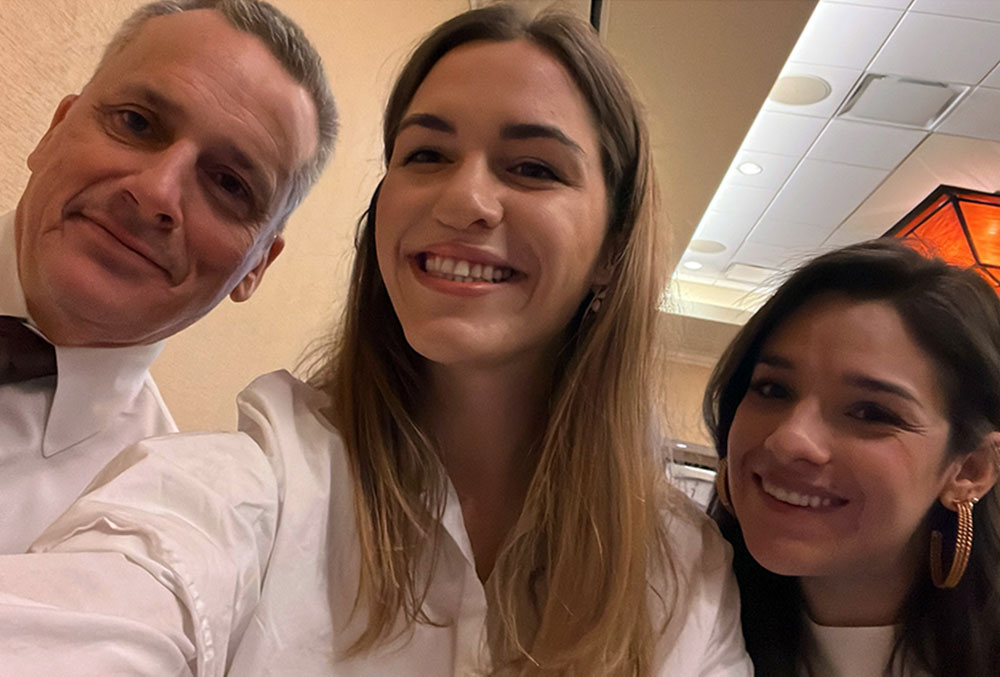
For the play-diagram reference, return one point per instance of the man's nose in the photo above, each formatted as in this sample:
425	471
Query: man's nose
470	196
157	187
800	435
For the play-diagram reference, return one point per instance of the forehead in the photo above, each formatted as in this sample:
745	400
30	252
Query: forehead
508	81
221	79
835	334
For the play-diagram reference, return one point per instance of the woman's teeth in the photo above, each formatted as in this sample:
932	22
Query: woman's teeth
795	498
458	270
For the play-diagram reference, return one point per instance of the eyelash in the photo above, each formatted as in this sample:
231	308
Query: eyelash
551	175
870	412
423	156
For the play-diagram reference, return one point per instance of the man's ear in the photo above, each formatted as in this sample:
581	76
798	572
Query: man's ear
974	474
248	285
61	111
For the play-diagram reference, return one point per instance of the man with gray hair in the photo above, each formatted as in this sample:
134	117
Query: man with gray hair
157	191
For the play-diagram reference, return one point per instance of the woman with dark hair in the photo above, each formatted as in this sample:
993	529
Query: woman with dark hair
470	484
856	418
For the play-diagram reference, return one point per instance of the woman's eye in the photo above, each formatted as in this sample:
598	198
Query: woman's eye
768	389
869	412
534	170
423	156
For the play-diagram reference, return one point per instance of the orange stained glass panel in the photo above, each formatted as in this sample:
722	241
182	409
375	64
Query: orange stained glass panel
983	221
943	232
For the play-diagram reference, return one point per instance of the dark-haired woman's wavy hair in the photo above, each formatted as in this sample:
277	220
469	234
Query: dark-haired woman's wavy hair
954	316
570	590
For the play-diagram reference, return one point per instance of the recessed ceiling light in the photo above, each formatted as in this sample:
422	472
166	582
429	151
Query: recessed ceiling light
799	90
692	265
749	168
706	246
680	445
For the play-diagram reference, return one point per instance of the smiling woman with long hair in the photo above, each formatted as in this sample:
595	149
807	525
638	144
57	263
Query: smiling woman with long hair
471	482
857	415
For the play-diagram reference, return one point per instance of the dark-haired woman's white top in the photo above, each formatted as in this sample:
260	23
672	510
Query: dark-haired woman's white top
855	652
199	554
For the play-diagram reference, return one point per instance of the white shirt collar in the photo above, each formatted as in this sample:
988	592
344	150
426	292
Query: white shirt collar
94	384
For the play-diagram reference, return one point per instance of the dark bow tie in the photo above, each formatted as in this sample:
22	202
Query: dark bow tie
24	355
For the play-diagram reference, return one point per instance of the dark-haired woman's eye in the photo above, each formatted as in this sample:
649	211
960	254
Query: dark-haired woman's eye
768	389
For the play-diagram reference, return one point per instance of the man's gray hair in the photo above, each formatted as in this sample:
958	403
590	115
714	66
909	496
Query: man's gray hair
290	47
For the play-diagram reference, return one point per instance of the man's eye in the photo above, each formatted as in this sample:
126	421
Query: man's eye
135	122
230	184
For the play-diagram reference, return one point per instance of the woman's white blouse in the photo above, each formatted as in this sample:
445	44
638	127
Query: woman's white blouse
198	554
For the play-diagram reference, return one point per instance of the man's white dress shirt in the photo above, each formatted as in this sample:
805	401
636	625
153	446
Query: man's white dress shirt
247	563
56	432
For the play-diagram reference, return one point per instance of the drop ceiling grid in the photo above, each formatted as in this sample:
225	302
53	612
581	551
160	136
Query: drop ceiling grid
790	131
819	169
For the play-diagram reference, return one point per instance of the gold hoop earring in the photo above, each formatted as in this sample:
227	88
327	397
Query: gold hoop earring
722	486
963	548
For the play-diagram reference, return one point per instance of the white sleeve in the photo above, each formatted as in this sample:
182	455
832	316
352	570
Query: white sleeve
155	570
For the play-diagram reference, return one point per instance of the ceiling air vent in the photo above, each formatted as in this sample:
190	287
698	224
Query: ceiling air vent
900	101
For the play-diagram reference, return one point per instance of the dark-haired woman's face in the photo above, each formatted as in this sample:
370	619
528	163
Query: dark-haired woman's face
493	211
837	450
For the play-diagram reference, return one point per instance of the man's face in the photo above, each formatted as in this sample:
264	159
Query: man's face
158	190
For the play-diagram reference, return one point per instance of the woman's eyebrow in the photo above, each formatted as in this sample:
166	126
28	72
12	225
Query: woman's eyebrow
879	385
776	361
428	121
528	130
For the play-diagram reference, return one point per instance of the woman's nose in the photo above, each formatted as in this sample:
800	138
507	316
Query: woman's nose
470	196
800	435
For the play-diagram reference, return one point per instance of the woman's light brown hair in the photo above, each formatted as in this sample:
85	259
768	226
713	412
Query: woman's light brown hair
570	592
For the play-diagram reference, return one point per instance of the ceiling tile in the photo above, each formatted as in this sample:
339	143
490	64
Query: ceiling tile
940	159
783	134
844	35
890	4
824	193
993	79
787	234
868	145
729	229
987	10
746	201
841	81
770	256
775	169
940	48
978	116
